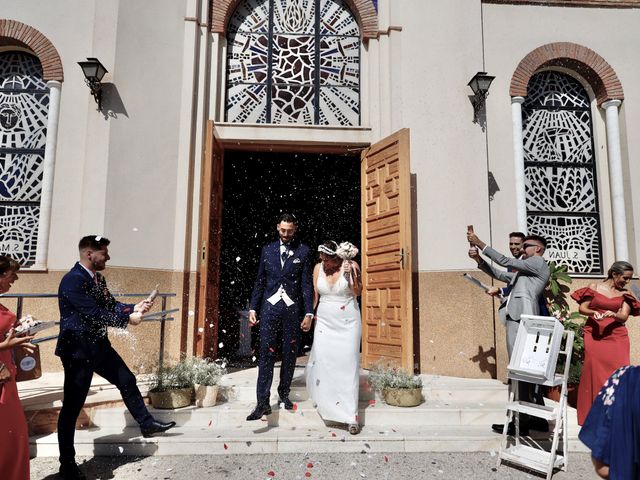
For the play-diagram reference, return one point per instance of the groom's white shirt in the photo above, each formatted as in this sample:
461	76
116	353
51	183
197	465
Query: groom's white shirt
281	293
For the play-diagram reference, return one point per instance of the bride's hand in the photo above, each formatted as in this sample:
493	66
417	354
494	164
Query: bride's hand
346	266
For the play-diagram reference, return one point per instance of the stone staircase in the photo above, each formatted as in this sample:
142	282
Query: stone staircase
456	416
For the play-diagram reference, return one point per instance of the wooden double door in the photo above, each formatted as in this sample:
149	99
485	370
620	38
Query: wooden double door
387	254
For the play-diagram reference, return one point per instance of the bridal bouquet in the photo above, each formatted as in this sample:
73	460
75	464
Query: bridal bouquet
347	250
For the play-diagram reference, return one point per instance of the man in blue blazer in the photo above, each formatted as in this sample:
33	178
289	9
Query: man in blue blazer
87	308
282	296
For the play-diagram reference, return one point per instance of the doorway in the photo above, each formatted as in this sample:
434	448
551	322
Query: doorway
322	190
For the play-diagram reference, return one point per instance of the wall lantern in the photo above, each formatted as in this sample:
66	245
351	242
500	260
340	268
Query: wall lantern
93	72
480	86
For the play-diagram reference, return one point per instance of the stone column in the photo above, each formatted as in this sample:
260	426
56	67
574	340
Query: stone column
53	115
518	163
616	180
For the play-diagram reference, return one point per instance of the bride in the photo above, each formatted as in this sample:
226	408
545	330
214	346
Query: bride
333	369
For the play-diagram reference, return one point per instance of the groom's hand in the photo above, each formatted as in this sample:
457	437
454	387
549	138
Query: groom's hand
253	318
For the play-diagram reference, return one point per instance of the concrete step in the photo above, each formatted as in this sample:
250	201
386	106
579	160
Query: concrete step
375	414
260	437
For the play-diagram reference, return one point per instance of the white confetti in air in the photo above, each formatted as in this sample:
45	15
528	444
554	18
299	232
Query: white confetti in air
233	282
211	325
191	313
492	453
200	330
120	449
224	331
253	359
221	345
237	259
135	229
462	354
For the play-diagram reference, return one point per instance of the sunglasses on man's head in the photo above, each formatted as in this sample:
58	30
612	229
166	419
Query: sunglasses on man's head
527	245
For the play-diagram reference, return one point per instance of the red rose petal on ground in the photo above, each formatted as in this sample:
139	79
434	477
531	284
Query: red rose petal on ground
333	434
271	473
342	307
226	446
210	421
307	474
372	402
309	465
295	407
386	459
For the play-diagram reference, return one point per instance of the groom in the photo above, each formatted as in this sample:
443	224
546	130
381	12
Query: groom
282	294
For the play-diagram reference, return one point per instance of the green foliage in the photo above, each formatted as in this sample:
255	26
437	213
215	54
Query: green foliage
556	297
384	375
207	372
186	373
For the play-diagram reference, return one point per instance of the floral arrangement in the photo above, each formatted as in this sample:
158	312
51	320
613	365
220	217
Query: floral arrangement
347	251
384	375
186	373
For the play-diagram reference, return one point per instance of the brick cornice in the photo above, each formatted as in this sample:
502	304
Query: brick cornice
584	61
572	3
363	10
14	33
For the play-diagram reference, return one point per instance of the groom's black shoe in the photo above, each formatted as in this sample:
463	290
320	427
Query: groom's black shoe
154	427
286	402
511	428
71	471
259	411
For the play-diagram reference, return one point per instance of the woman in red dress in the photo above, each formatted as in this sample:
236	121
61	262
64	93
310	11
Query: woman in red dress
14	435
606	340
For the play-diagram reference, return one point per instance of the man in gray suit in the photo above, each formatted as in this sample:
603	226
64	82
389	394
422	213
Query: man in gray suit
527	279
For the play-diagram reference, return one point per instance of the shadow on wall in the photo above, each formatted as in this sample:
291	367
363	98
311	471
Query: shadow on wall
112	104
483	359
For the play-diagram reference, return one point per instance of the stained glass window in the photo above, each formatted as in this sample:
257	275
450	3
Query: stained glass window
293	61
24	103
560	171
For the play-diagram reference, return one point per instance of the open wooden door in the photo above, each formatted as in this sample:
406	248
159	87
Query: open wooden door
387	303
205	336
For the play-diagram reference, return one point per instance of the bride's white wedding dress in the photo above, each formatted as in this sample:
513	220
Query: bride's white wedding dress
334	363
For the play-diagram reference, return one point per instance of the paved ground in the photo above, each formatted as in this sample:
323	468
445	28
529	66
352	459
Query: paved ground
326	466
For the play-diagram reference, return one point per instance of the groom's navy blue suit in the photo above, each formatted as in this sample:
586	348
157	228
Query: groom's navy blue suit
279	320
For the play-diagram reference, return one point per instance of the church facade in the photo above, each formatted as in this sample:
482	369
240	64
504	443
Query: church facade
216	115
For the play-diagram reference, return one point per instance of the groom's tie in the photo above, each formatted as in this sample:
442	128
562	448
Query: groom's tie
283	255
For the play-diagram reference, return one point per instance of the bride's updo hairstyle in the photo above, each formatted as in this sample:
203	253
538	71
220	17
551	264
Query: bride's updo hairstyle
328	248
619	268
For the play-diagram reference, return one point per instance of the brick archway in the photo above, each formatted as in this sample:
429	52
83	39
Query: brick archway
18	34
363	10
584	61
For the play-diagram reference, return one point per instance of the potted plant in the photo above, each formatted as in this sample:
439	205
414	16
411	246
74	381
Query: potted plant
206	377
397	386
172	386
556	296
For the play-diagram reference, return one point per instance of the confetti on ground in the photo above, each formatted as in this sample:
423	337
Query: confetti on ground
307	474
333	434
295	407
226	446
271	473
309	465
386	459
372	402
210	422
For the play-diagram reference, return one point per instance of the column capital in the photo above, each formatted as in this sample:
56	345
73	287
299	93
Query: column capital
54	84
517	100
611	103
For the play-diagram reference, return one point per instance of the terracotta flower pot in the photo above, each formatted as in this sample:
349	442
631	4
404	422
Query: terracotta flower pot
402	397
206	395
553	393
177	398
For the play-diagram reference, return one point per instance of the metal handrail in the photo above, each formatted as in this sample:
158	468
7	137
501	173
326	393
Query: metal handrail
21	296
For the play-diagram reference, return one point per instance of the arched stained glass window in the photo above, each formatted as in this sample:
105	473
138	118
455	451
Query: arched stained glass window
560	171
24	103
293	61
